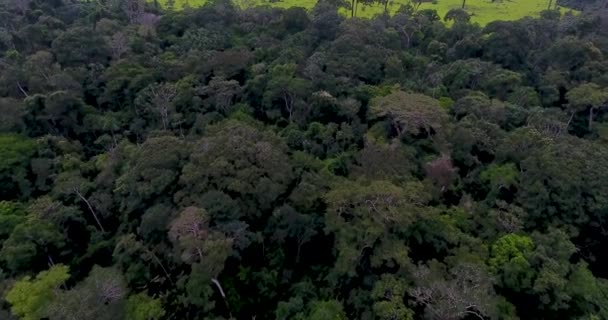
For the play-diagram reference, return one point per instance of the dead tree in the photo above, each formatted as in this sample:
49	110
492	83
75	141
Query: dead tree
466	292
161	99
119	44
20	5
441	171
134	9
79	194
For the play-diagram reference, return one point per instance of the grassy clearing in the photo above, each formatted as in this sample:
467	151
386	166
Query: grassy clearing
484	11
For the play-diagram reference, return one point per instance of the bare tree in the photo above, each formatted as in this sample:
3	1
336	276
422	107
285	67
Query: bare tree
23	91
99	296
221	92
119	44
221	290
20	5
134	9
466	291
441	171
190	233
79	194
189	229
111	289
42	64
552	124
508	217
148	22
587	96
158	99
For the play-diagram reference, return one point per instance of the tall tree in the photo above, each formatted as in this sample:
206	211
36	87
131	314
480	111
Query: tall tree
240	160
157	100
588	96
196	242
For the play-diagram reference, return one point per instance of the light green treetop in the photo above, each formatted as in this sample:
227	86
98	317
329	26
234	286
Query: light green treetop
29	298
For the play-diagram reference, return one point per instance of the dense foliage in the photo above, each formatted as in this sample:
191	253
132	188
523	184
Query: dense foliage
267	163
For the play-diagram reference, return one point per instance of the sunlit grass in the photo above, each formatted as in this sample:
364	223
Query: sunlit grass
483	11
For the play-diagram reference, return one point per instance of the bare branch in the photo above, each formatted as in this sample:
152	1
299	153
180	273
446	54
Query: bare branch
77	192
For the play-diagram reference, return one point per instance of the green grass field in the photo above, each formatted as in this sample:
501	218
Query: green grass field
484	11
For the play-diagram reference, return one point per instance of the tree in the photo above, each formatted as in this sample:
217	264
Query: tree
458	15
507	43
34	241
71	183
206	249
587	291
196	242
152	171
357	53
158	99
363	216
134	9
11	215
388	292
549	261
240	160
326	19
221	94
259	162
59	113
15	154
509	259
410	113
286	87
79	45
551	122
20	5
501	83
138	261
384	161
119	45
588	96
330	309
11	118
466	290
30	298
441	171
100	296
143	307
570	53
41	68
500	176
575	170
291	224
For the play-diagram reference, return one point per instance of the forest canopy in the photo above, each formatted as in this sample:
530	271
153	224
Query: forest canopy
267	163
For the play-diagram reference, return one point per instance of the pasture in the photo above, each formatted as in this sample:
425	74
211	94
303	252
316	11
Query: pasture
483	11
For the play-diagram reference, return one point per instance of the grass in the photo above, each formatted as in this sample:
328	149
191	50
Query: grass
483	11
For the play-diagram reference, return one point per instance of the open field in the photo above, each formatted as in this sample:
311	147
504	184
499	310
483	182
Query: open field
484	11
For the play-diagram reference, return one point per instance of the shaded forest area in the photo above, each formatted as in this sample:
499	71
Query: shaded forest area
582	4
218	163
